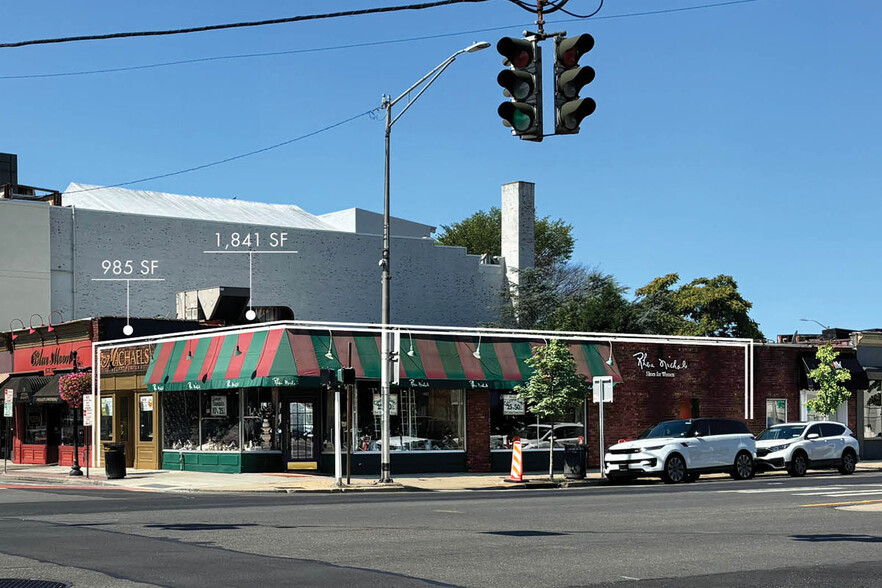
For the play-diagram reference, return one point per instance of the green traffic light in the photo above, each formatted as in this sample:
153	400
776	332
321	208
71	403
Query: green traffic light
520	116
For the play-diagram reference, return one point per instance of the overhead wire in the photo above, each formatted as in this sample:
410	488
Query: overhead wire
237	25
358	45
234	157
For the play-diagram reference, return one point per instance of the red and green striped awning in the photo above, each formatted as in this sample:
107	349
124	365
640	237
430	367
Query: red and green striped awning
287	358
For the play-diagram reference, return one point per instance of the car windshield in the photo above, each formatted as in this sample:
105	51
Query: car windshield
784	432
668	429
535	431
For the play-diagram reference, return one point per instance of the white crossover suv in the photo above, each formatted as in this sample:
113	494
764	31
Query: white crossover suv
680	451
799	447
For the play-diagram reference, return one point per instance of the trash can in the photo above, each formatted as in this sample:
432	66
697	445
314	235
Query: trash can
115	460
575	459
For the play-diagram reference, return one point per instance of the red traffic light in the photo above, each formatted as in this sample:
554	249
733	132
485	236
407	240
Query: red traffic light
570	50
518	52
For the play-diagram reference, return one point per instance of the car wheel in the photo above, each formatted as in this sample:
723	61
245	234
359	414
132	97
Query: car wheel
675	470
849	461
798	465
744	467
690	477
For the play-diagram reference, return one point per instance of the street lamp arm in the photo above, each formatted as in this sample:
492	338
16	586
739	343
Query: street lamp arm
814	321
437	71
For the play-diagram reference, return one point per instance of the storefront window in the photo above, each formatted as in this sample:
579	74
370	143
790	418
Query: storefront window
145	418
67	427
180	420
205	420
259	432
872	400
840	416
107	418
36	429
776	411
511	419
419	420
220	421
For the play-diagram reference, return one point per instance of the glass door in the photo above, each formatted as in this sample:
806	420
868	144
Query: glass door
300	435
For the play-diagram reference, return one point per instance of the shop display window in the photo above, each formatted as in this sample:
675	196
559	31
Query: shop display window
872	400
840	416
180	420
258	430
107	418
776	411
36	430
419	420
220	420
511	419
67	427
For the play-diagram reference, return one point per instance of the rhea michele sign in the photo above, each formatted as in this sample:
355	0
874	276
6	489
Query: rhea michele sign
660	368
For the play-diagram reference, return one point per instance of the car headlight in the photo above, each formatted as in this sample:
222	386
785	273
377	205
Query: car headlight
775	448
653	448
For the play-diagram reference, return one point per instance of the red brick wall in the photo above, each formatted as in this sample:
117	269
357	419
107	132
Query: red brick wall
477	431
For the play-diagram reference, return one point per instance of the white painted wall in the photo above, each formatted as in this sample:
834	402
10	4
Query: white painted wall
334	276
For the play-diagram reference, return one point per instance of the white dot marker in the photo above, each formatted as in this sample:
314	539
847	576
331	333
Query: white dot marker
128	330
250	315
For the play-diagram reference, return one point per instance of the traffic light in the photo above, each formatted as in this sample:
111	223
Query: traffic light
569	79
522	82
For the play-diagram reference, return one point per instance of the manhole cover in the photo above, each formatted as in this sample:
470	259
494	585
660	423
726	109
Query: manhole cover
19	583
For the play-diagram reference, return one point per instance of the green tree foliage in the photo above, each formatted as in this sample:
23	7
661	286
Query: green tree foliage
555	386
482	233
705	307
829	379
599	306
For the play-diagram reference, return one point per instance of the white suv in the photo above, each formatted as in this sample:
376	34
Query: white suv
680	451
798	447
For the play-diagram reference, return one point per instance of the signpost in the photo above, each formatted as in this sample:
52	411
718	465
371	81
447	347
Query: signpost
7	413
603	392
88	421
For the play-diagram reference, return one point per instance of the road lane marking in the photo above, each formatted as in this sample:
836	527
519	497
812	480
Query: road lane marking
843	493
449	511
842	503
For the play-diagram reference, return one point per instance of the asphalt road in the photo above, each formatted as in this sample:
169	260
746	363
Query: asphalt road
822	530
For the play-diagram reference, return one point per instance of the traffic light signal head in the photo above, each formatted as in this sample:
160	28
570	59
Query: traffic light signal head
569	79
522	82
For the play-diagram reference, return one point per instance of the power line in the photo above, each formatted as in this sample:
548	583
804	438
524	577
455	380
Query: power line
352	45
237	25
235	157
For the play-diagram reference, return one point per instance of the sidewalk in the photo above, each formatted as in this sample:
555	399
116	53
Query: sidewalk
176	481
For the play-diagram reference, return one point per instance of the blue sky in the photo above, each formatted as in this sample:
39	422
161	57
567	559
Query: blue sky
739	139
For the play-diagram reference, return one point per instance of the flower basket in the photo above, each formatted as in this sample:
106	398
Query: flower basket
71	388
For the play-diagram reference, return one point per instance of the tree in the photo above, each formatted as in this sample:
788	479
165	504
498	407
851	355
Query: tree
554	387
705	307
829	379
599	306
482	233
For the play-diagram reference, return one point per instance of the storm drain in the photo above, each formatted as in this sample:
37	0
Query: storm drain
19	583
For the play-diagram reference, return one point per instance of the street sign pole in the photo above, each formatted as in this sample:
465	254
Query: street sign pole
603	392
7	412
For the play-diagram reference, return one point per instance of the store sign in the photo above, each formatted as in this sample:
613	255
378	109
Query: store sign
218	405
52	357
107	407
147	403
126	359
513	405
660	368
393	405
88	410
7	402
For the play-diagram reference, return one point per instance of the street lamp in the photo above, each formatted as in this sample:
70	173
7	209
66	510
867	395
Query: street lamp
386	351
814	321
